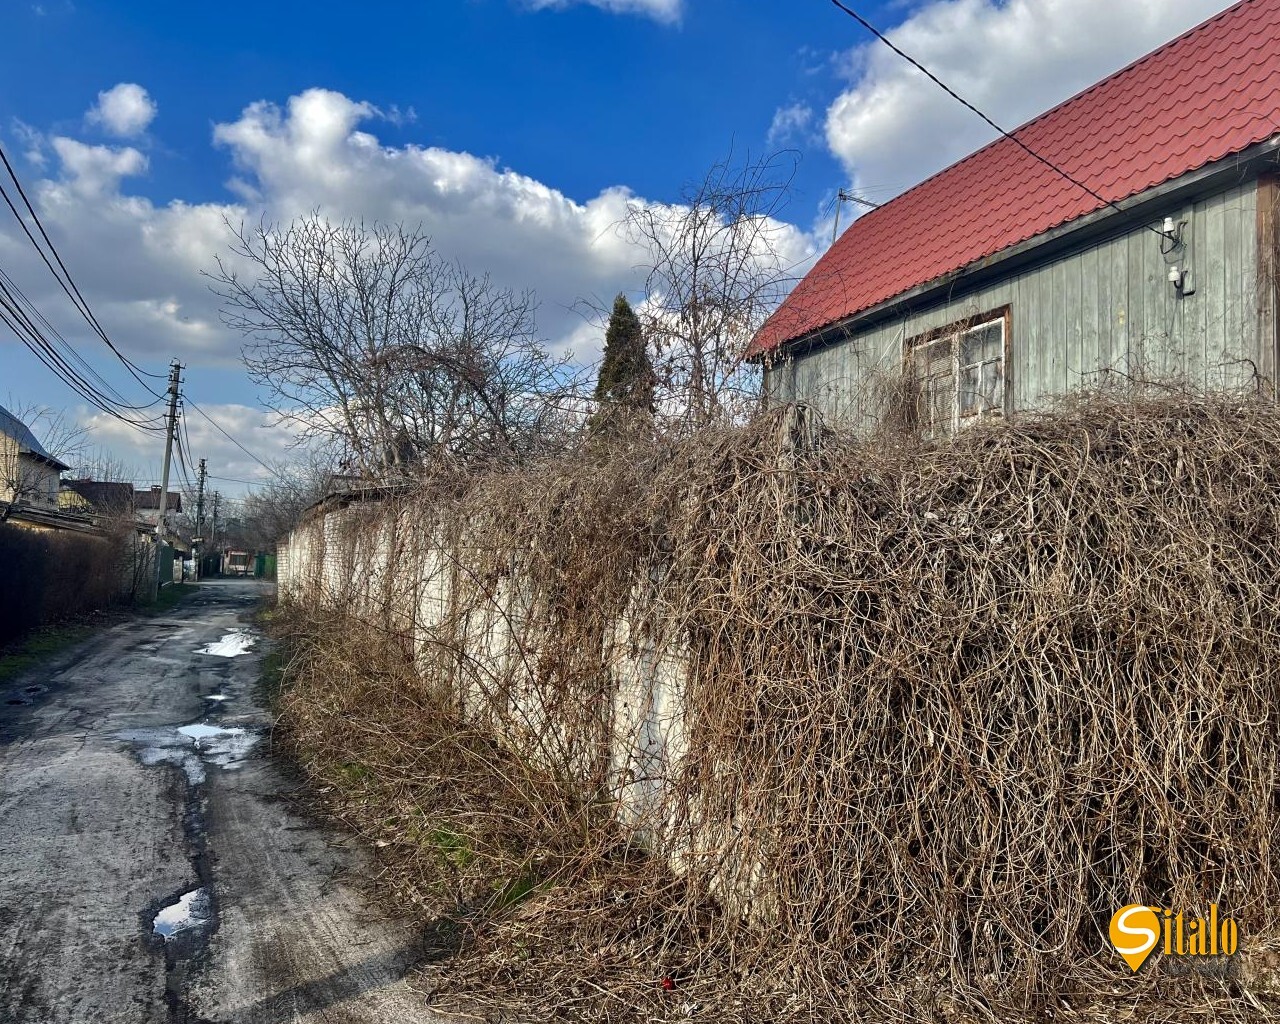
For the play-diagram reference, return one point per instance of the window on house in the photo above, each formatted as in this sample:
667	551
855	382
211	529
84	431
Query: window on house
960	371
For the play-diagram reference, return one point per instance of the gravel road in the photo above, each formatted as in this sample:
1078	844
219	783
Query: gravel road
152	865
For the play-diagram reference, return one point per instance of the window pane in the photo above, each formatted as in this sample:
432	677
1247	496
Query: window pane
970	396
982	343
941	402
993	385
933	358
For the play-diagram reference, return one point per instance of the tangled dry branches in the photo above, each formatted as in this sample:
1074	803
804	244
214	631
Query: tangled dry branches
942	709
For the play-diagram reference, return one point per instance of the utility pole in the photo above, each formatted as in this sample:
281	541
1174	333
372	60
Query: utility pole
171	424
199	538
213	532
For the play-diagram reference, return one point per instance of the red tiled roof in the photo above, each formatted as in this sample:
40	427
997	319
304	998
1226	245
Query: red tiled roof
1207	94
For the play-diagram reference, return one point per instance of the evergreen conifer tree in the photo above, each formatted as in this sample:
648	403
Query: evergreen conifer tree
625	386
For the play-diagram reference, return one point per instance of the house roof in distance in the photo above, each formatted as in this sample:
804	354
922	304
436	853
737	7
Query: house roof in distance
1212	92
27	443
102	494
150	500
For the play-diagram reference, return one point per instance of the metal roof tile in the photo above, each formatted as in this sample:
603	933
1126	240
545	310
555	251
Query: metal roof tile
1213	91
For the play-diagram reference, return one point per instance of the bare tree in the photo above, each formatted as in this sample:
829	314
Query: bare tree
367	338
715	269
272	510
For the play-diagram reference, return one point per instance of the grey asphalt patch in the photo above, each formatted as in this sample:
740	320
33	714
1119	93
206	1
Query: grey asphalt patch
125	789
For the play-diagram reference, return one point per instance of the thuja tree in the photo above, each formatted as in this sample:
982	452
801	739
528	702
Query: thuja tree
625	387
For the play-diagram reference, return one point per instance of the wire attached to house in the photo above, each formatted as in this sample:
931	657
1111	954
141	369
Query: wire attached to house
14	316
85	373
965	103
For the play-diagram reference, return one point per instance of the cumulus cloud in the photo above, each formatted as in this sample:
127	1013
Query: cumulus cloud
124	110
1011	58
140	262
261	432
94	170
668	11
789	124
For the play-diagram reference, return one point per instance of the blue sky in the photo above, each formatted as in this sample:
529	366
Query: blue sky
514	130
580	97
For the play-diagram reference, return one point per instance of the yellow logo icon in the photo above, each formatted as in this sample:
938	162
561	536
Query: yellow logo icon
1135	930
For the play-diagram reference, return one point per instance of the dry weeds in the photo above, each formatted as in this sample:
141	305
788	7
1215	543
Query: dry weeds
947	707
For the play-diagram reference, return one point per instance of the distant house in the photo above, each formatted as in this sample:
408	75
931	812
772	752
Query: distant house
97	497
147	504
28	474
999	283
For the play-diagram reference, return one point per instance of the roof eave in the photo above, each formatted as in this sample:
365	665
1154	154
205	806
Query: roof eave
47	459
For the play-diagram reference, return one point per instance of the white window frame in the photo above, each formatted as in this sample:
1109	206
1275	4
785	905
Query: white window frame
952	336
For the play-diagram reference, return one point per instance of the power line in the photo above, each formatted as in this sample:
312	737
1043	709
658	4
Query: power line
237	480
104	387
65	280
965	103
14	316
235	442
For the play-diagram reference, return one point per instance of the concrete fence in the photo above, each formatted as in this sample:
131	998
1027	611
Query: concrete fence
475	631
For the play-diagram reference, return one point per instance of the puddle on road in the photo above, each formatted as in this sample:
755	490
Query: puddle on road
225	747
166	746
235	643
191	911
189	746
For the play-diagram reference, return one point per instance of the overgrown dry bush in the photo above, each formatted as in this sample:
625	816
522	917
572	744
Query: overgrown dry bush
945	708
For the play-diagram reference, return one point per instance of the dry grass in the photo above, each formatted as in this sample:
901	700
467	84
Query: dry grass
947	707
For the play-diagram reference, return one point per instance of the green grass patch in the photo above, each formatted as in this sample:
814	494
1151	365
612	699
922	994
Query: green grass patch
271	682
354	774
452	847
515	890
170	597
39	648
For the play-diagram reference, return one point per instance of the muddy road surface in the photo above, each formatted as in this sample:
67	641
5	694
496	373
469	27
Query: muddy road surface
153	864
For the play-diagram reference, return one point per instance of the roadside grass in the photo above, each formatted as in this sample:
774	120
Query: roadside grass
271	682
37	648
170	597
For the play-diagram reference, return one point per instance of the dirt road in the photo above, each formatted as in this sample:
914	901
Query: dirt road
152	867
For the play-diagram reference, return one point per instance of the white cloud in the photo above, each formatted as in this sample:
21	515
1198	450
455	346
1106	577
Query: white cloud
124	110
32	140
668	11
789	125
140	263
95	170
1012	58
259	431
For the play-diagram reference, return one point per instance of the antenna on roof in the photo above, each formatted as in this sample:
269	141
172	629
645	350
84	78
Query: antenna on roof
844	196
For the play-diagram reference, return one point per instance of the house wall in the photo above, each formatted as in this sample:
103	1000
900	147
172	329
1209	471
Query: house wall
25	478
8	467
1107	306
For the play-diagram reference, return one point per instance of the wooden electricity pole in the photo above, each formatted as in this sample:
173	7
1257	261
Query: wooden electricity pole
171	424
